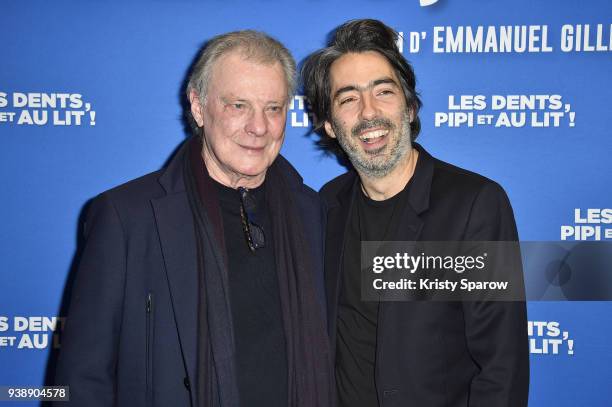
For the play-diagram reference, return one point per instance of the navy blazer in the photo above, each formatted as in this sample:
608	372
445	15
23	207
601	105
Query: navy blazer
131	334
451	354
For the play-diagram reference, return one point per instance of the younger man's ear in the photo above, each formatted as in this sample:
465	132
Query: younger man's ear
329	130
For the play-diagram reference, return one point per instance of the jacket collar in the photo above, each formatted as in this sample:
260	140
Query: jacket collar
421	181
171	178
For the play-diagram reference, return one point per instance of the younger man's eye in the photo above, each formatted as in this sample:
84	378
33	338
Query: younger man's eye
347	100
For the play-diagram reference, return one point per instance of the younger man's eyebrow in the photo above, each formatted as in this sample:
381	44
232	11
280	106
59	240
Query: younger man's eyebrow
370	85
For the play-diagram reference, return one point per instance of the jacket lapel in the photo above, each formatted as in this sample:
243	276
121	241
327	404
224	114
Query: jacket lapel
410	223
177	240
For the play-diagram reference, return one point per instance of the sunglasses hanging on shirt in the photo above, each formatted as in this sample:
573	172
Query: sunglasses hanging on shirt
253	233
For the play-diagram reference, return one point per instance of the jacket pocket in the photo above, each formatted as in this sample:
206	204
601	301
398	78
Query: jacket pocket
149	350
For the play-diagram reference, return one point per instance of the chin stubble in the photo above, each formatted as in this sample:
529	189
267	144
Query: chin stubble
368	162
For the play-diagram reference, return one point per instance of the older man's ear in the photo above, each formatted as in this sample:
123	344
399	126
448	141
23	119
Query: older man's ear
196	108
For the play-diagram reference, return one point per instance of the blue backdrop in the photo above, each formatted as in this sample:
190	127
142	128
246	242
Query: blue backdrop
516	90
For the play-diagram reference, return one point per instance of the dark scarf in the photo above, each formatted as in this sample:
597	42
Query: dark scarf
310	379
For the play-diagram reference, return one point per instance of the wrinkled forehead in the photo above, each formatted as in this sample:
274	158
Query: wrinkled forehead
238	71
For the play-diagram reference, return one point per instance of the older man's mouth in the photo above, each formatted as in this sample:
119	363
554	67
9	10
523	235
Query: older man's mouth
253	149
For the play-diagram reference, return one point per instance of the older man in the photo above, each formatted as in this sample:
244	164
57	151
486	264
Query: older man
462	353
198	284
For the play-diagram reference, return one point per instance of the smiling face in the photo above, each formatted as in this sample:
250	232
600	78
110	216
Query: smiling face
369	116
243	118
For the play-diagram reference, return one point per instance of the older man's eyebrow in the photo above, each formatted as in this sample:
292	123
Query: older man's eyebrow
236	99
231	99
370	85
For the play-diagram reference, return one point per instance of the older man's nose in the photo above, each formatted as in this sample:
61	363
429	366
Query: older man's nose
257	125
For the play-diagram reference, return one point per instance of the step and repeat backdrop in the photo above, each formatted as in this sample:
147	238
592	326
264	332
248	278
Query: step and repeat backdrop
91	97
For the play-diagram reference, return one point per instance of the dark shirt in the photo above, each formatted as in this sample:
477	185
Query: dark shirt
369	220
261	356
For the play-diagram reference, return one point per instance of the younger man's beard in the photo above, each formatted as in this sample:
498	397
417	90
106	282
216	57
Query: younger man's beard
369	162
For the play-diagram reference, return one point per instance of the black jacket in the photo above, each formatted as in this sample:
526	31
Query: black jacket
439	353
131	334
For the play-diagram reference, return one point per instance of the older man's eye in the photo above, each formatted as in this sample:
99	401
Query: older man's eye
274	109
238	106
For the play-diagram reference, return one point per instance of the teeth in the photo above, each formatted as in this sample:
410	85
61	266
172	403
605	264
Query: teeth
373	134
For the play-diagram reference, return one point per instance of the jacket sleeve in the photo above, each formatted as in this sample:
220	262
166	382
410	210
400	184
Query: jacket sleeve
496	332
88	355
